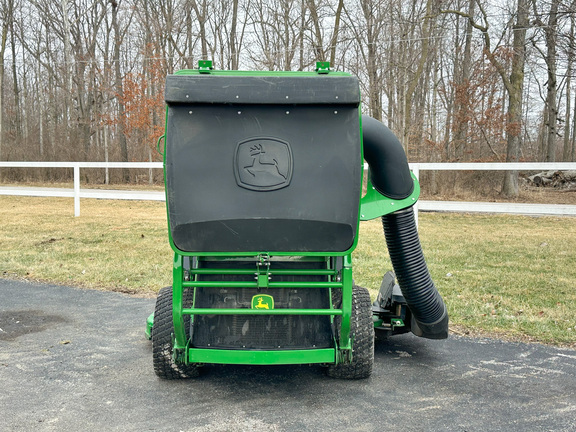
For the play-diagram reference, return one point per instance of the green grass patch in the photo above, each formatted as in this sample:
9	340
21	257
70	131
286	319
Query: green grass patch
509	276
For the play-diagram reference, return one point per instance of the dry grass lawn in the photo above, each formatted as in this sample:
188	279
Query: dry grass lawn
506	275
118	245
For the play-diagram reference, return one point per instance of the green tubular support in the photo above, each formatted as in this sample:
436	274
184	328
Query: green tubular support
345	342
272	272
215	311
233	284
180	338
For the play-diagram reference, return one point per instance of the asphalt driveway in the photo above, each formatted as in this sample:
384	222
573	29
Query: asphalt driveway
73	359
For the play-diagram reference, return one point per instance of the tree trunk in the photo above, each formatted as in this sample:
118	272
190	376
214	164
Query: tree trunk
462	99
334	40
234	48
3	40
372	68
67	63
567	130
427	28
318	44
515	86
119	89
287	32
301	35
552	119
16	87
201	15
40	114
189	40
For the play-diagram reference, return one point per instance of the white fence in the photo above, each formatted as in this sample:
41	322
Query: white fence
76	193
456	206
495	207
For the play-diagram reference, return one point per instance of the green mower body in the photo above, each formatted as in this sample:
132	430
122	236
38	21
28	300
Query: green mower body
263	175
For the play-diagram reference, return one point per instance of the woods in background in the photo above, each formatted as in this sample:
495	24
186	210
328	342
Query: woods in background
456	80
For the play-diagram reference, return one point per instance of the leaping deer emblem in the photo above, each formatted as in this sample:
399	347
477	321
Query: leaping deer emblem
263	164
261	304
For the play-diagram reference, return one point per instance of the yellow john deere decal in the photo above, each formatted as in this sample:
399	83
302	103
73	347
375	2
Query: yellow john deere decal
262	301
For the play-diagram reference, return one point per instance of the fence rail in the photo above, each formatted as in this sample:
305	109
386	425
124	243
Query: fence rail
485	207
494	207
76	193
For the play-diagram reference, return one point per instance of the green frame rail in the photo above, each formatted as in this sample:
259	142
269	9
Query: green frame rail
219	356
186	354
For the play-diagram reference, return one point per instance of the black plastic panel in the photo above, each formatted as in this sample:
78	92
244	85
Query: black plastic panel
256	234
253	178
226	89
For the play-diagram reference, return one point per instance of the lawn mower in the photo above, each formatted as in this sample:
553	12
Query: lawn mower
263	176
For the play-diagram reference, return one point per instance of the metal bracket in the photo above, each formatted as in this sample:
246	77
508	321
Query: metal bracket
374	205
178	354
262	274
205	66
344	356
322	67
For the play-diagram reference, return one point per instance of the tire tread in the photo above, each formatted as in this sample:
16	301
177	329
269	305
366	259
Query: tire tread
164	365
362	330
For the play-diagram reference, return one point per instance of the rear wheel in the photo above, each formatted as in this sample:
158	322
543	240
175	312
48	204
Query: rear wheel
162	330
362	333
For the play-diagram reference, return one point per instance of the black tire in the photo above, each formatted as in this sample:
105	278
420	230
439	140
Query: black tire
362	331
164	365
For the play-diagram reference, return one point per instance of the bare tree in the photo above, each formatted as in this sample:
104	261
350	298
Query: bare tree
428	22
277	33
513	81
118	37
68	77
318	44
450	85
462	72
201	11
323	20
570	133
550	29
6	17
234	42
368	26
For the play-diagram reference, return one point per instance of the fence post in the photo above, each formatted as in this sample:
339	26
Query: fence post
76	190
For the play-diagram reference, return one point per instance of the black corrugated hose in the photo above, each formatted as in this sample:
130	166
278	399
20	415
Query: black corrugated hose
429	315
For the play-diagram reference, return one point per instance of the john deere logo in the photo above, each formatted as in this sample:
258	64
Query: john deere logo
263	164
262	301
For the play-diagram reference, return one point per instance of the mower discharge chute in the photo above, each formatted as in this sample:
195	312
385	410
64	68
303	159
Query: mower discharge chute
263	175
